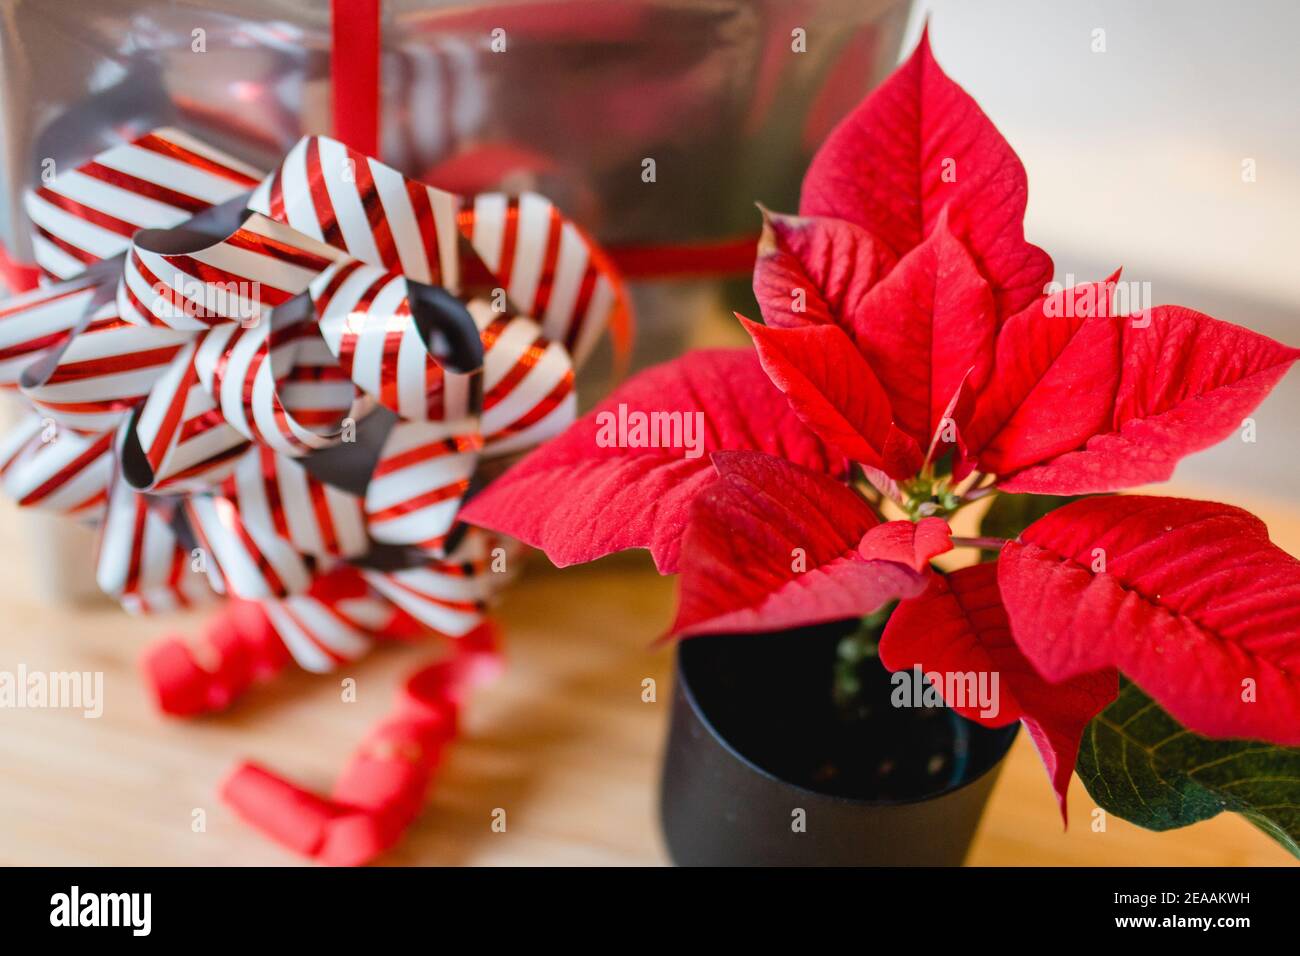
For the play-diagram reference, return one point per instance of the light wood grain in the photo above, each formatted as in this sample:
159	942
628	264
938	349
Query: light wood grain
562	742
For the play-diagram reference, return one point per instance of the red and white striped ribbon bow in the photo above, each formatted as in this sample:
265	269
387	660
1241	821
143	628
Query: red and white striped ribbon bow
279	387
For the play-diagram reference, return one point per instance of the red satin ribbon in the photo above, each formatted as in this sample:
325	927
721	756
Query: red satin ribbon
687	260
354	73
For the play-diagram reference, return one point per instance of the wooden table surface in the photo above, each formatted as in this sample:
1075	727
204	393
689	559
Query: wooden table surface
562	742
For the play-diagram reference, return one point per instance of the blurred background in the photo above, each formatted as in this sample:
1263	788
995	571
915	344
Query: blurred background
1136	122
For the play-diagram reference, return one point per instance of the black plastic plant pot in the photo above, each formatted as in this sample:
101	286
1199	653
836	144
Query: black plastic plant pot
770	763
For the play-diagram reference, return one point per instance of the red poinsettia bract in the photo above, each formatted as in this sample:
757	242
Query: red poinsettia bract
910	340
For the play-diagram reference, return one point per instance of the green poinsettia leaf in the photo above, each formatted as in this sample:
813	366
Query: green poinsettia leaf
1143	766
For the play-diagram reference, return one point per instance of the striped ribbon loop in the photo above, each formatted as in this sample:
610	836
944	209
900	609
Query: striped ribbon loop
191	283
142	559
528	388
272	523
549	267
36	322
367	323
177	440
372	212
448	595
333	622
57	470
423	473
275	383
92	380
158	181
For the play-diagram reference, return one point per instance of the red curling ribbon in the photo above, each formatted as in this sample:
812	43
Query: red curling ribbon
354	73
383	787
238	648
687	260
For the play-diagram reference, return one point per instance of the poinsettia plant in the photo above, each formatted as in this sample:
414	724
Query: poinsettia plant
913	358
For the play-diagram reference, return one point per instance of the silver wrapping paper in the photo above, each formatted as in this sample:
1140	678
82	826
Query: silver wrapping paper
712	90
